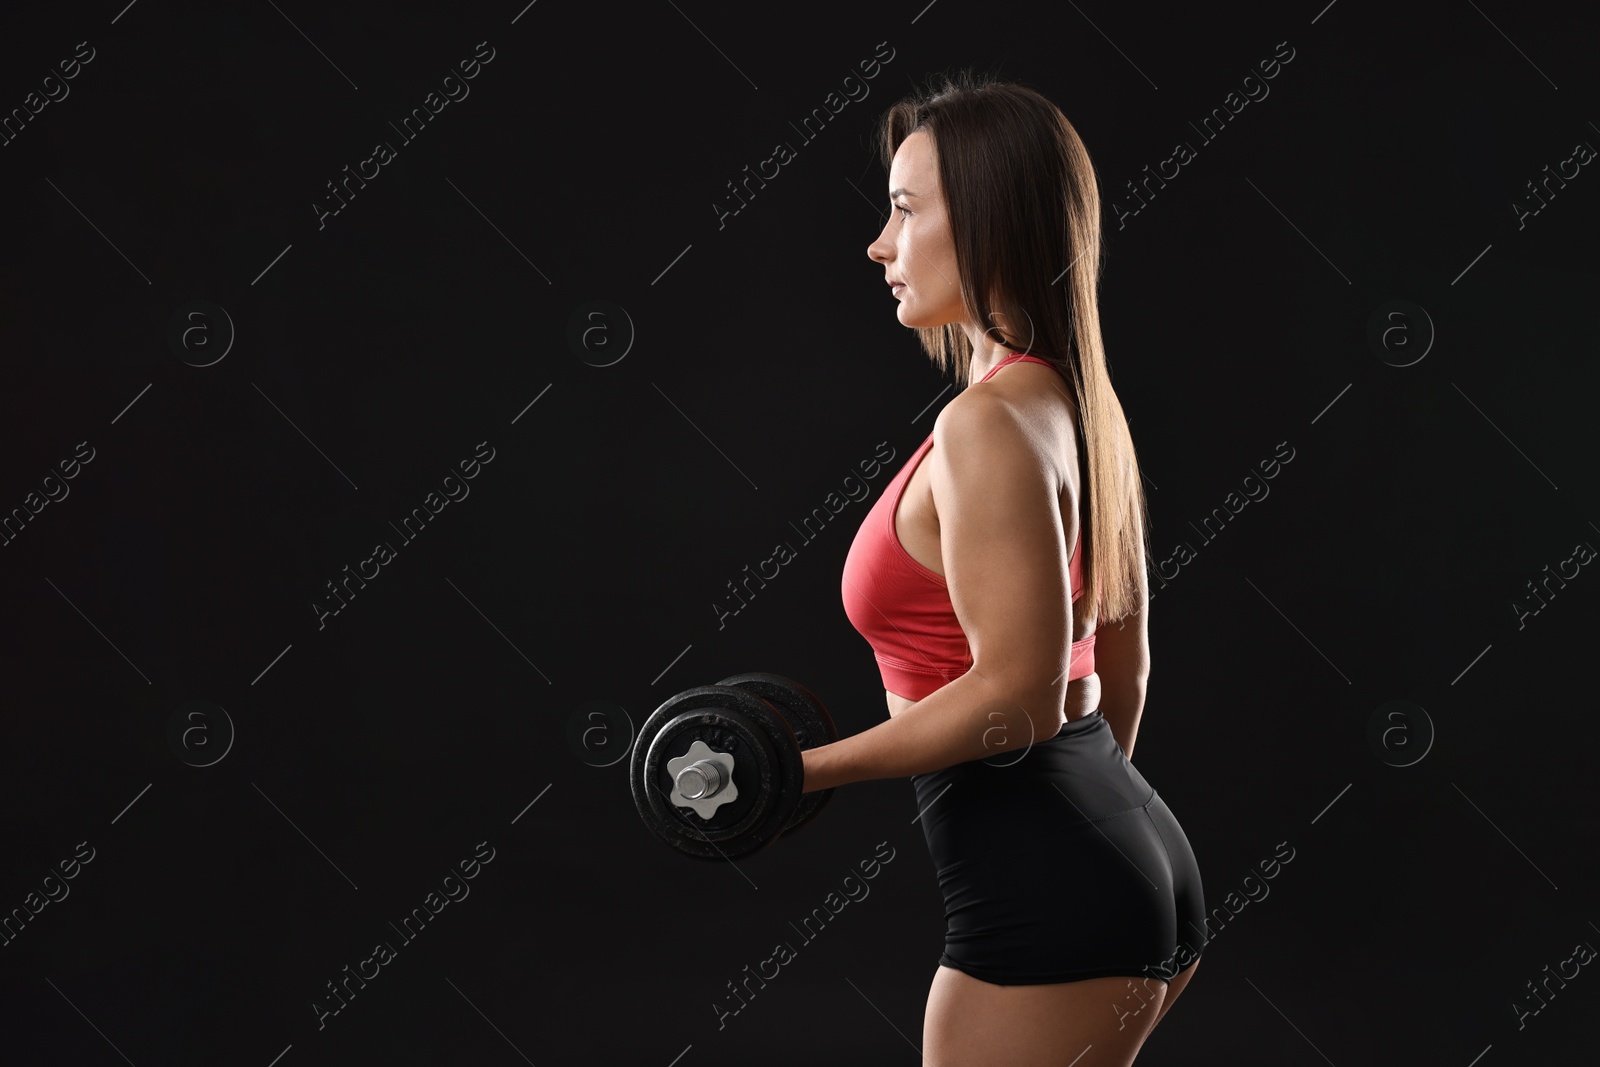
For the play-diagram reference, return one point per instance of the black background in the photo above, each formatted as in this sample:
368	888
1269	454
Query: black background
374	352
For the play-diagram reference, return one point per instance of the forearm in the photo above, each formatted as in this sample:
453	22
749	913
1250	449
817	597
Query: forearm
1122	706
970	718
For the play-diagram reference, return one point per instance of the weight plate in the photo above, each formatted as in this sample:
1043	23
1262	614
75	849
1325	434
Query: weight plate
807	717
722	730
766	771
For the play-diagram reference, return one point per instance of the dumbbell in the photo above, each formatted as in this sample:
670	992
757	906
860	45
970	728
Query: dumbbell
717	772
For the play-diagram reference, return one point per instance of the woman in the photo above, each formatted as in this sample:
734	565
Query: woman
1073	904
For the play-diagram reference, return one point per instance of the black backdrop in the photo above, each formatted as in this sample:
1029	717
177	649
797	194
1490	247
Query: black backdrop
219	794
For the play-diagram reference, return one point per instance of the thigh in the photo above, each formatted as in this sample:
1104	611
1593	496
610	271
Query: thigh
1175	987
1096	1022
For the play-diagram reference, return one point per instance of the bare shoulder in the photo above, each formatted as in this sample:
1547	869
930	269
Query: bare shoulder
990	455
987	427
1028	411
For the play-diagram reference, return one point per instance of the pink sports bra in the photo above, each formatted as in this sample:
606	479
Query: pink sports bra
903	609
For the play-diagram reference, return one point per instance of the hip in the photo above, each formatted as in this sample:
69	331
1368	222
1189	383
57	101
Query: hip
1078	776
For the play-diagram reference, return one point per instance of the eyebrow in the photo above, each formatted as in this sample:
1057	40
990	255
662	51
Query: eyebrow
901	192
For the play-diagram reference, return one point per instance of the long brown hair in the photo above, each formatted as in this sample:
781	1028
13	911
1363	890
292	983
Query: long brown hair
1024	209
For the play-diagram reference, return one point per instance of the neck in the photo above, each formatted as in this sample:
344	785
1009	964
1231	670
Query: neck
979	371
986	353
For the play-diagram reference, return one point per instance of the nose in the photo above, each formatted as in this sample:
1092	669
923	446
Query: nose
881	251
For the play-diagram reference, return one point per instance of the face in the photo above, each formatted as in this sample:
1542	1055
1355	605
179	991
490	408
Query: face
915	246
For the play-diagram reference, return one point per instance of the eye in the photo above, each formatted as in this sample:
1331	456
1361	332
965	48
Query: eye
900	209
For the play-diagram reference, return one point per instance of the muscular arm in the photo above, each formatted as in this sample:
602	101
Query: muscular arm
1005	565
1122	660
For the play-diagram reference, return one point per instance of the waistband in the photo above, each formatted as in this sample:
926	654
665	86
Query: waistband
1082	725
1078	729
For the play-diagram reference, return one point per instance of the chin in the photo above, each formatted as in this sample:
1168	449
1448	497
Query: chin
914	321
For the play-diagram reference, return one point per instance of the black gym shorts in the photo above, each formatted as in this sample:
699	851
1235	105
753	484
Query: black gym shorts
1061	864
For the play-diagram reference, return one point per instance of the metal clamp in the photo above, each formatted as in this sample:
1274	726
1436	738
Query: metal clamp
702	779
